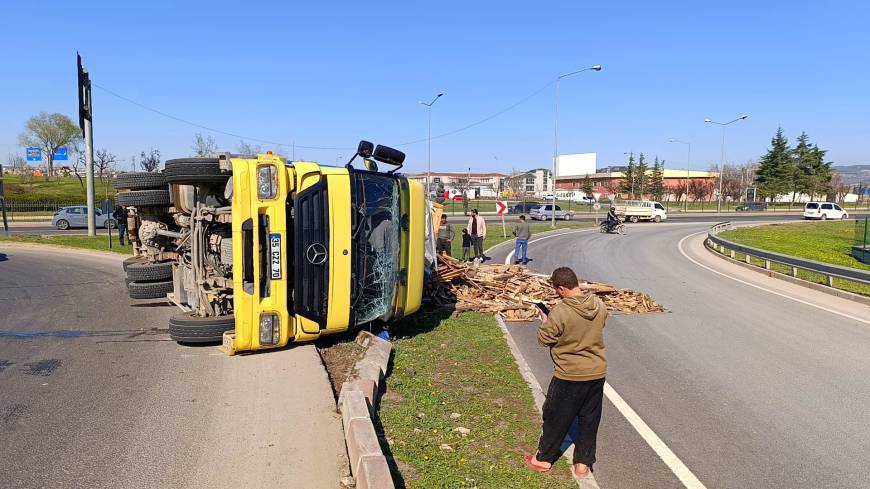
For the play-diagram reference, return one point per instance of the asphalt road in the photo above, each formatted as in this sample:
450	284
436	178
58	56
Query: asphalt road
93	393
748	388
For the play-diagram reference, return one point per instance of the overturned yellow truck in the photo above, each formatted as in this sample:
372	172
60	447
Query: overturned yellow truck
259	252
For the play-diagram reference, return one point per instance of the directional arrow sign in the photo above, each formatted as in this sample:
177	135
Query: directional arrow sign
500	207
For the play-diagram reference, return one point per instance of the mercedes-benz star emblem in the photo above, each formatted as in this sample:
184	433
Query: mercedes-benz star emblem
316	254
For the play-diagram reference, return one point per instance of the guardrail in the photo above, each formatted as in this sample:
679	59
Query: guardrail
826	269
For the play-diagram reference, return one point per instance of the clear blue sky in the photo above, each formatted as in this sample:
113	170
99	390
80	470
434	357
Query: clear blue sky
324	74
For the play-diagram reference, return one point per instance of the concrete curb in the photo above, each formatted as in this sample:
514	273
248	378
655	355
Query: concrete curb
357	403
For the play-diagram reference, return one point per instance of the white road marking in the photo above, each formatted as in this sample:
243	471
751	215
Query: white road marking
786	296
652	439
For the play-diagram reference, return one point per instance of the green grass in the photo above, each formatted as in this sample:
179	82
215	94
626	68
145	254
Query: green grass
494	233
55	189
828	242
460	365
98	243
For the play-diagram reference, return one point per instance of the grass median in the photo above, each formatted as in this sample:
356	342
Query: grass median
457	372
97	243
495	236
824	241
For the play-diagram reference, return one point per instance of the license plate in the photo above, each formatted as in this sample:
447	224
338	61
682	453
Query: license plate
275	254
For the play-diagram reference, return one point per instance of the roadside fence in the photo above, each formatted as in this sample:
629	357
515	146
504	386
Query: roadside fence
786	264
38	212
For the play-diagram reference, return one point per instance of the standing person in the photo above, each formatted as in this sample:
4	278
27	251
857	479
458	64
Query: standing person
120	217
477	229
574	332
445	237
466	244
523	232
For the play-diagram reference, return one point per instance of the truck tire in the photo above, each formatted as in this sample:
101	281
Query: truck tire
190	171
657	219
140	181
149	290
633	219
143	198
132	260
187	328
149	272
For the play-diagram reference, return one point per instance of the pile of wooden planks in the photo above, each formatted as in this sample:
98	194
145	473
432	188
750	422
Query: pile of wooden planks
511	291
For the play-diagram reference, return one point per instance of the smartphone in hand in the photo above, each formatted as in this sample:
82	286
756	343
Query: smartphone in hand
543	308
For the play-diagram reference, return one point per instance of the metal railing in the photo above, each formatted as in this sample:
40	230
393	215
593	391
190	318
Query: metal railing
829	271
38	211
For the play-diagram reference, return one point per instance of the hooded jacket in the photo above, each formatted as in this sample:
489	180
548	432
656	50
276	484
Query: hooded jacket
574	332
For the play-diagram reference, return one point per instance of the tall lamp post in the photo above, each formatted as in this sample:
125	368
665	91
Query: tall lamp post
688	164
556	135
722	164
429	139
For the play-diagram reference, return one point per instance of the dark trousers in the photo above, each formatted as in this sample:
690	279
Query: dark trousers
478	245
442	246
568	401
122	232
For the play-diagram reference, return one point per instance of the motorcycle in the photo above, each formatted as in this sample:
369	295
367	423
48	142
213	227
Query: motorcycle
612	227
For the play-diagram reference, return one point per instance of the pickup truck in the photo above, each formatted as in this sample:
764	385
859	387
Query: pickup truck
637	210
258	252
545	212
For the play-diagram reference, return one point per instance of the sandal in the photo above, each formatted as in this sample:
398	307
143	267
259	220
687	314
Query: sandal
538	468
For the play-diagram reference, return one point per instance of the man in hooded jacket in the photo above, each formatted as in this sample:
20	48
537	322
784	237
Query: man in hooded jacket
574	332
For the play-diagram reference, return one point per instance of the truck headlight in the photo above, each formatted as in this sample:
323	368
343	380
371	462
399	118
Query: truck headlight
269	329
267	182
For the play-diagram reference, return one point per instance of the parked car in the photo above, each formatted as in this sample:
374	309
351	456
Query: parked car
545	212
523	208
824	210
77	217
752	207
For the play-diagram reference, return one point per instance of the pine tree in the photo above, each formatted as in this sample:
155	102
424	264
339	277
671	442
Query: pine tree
628	181
586	186
641	178
802	170
774	174
821	172
657	180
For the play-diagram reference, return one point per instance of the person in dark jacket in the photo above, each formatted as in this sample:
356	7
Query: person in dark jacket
574	332
120	217
466	244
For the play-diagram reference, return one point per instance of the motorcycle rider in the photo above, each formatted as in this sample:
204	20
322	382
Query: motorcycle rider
612	219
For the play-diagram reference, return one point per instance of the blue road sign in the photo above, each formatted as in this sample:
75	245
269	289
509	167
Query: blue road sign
34	154
60	154
867	190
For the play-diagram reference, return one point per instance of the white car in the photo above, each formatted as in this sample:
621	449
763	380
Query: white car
824	210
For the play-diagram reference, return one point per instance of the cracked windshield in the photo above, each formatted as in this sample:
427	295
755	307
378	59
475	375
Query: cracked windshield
377	240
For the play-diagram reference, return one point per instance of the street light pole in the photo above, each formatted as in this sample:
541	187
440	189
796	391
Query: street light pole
722	163
556	137
429	140
688	164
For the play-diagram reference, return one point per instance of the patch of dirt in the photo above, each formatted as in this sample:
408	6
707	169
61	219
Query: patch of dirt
340	359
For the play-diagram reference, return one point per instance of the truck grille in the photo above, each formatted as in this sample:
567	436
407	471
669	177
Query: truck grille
311	255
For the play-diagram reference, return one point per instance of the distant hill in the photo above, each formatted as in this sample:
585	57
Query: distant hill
854	174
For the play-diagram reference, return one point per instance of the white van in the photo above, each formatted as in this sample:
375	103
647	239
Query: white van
824	210
636	210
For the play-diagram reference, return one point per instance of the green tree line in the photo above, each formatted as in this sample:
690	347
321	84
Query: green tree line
798	170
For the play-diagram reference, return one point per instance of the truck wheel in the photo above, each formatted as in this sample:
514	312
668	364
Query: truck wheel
143	198
634	219
190	171
657	219
132	260
62	224
149	290
140	181
187	328
149	272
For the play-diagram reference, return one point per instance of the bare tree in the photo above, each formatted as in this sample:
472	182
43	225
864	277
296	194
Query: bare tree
104	162
516	183
610	186
49	132
839	188
204	146
701	190
78	165
248	149
150	161
678	191
16	162
731	182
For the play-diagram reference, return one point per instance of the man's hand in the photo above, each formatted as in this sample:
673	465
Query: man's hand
542	316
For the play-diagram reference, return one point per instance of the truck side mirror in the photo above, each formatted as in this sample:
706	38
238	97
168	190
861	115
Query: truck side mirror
370	165
365	149
389	156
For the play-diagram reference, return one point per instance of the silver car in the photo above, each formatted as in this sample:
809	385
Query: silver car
545	213
77	217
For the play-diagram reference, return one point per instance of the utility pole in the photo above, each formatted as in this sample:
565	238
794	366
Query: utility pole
722	164
85	123
3	203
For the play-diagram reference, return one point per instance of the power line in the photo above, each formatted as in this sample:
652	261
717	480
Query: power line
338	148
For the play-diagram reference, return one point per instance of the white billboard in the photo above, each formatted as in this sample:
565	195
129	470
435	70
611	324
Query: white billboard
576	164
